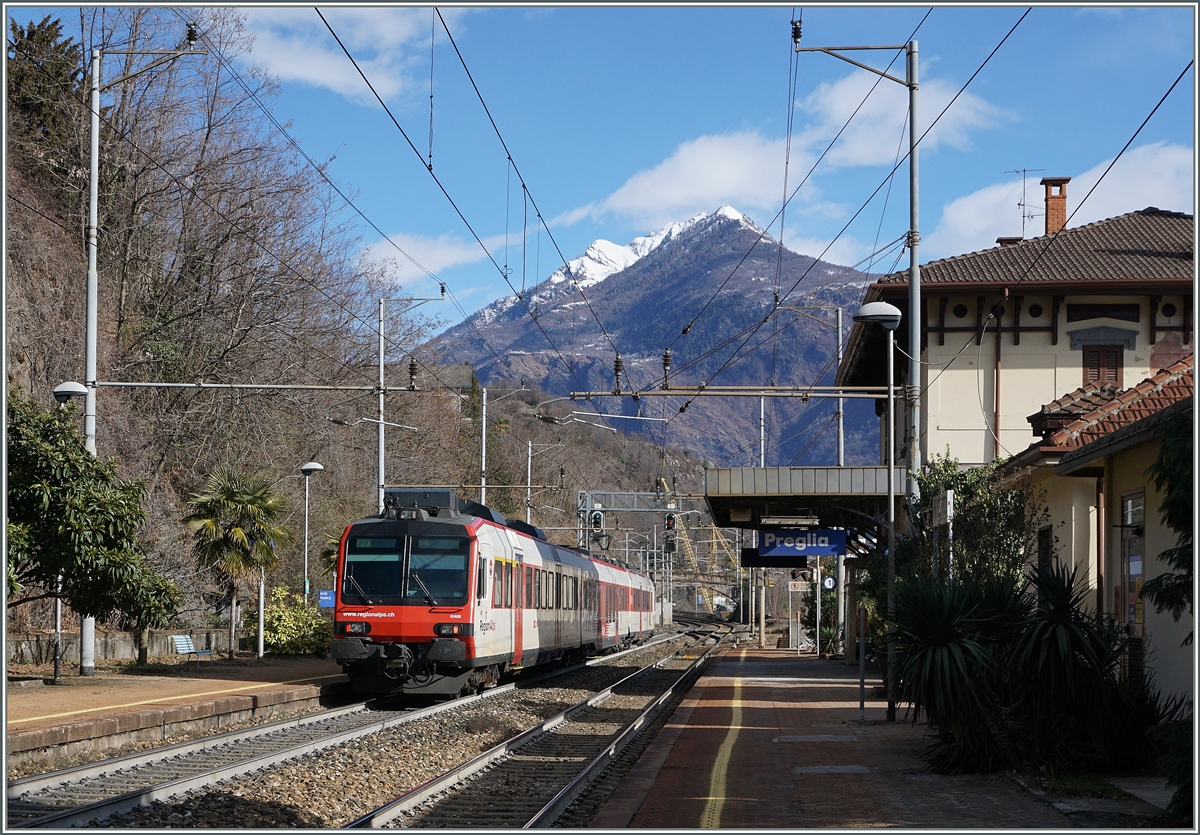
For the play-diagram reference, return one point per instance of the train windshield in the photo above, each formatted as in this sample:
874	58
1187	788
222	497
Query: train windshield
405	571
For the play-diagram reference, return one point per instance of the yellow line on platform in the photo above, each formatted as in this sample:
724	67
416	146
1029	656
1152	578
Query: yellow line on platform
711	818
169	698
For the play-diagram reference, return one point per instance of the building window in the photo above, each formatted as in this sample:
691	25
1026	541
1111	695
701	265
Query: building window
1103	364
1133	542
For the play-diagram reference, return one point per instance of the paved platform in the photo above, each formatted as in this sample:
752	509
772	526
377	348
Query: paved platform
768	739
128	705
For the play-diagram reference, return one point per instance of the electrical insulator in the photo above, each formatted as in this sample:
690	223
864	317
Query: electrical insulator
618	367
666	368
597	520
797	25
412	374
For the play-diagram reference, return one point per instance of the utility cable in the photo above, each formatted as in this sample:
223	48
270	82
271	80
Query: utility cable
687	328
892	172
1049	243
508	154
441	187
345	198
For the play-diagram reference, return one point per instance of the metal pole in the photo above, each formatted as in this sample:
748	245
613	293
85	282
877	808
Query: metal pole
87	626
483	450
792	642
862	663
840	613
817	636
262	594
57	627
306	539
914	288
891	516
841	439
762	609
529	493
380	425
762	432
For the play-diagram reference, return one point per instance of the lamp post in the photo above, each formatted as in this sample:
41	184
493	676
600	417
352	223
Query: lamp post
308	469
63	394
87	628
887	316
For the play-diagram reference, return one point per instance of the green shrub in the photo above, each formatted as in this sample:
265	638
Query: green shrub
289	626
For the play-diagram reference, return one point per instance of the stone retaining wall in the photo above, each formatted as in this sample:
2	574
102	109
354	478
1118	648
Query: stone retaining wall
38	648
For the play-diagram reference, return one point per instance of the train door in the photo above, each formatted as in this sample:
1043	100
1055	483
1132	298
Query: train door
503	575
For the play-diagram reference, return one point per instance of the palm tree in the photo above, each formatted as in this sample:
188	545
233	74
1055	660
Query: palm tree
236	526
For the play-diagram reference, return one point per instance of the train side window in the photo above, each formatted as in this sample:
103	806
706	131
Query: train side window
574	592
528	587
537	588
481	578
558	591
508	584
497	584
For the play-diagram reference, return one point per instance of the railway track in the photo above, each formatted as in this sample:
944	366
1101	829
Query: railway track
532	779
93	792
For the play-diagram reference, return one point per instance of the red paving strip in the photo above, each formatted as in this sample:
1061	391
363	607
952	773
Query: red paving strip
797	757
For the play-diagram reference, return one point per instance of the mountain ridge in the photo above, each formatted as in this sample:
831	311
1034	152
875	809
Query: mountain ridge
708	289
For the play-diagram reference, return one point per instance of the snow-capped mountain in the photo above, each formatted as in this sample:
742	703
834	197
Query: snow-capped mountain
689	286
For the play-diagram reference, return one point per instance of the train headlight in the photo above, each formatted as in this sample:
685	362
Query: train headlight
453	630
354	628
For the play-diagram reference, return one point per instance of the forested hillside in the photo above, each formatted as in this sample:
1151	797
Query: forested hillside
225	257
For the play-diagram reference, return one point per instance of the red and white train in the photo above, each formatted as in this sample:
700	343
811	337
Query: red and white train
442	596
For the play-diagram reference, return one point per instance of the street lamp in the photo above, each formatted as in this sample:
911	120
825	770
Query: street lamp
887	316
87	629
307	469
63	394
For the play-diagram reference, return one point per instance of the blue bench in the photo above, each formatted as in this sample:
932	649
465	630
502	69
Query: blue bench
185	646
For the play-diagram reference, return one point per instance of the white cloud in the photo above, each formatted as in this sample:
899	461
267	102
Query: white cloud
390	44
746	169
1159	174
738	169
881	126
845	251
434	254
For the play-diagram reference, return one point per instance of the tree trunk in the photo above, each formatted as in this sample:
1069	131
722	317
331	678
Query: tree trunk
143	646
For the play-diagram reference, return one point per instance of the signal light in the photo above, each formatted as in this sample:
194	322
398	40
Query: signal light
670	521
597	520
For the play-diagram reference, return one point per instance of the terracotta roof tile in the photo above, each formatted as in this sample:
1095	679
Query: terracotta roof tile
1167	387
1148	244
1070	406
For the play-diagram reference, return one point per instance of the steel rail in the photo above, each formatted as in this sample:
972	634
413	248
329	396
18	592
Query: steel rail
22	795
387	813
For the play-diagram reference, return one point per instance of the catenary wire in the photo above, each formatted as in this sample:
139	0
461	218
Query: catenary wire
892	172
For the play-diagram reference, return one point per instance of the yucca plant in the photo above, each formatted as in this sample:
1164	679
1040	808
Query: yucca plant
1066	668
946	646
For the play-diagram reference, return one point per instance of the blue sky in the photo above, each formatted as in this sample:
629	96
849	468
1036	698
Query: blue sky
622	119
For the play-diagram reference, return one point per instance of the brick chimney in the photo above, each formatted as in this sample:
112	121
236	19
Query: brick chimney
1056	203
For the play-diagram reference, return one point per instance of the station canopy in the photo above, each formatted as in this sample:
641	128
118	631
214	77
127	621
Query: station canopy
854	498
